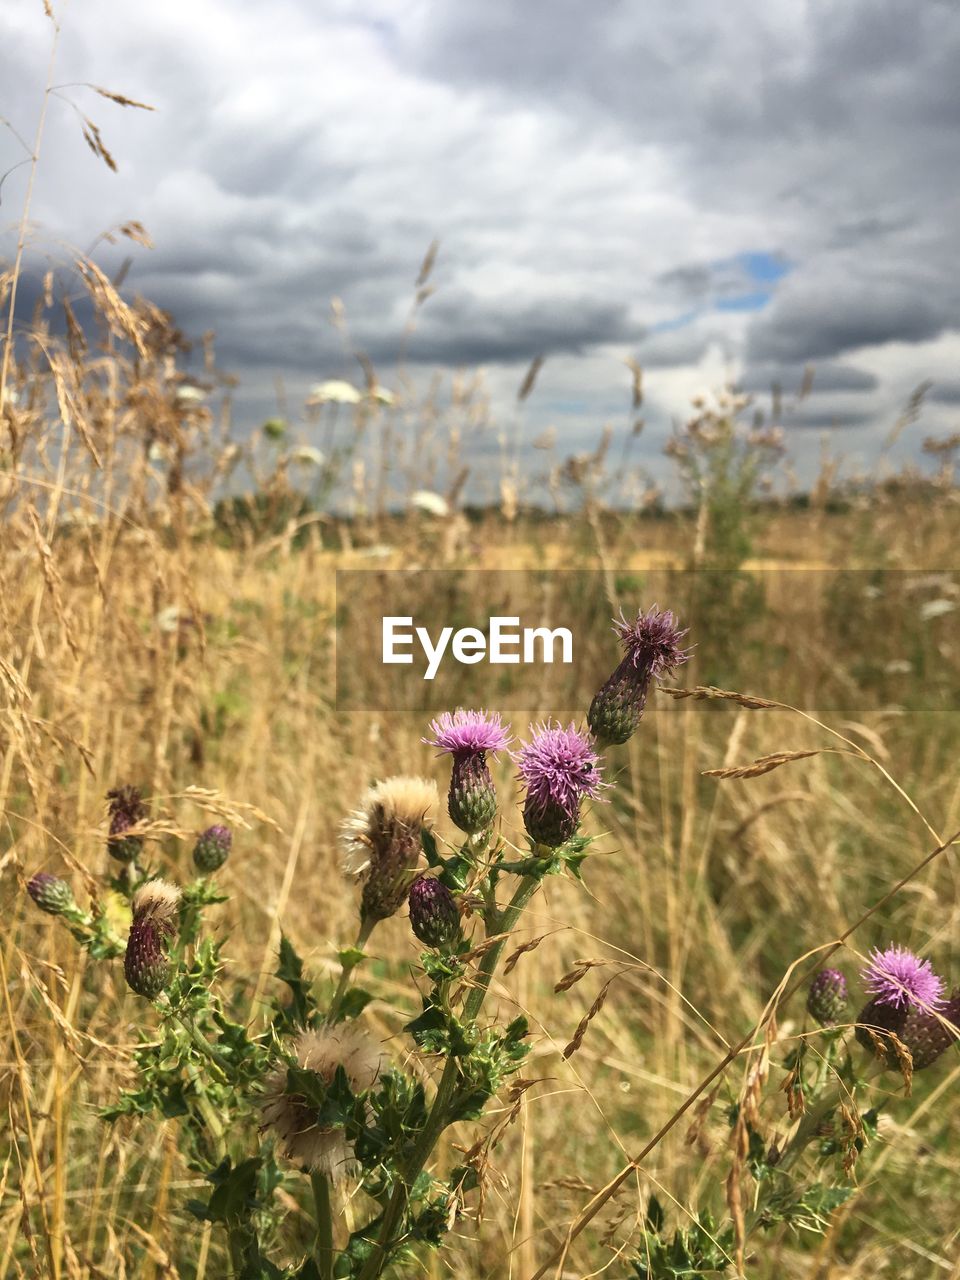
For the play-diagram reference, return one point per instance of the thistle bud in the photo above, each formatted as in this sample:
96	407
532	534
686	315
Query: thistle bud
651	649
145	963
146	966
51	894
472	800
127	810
827	997
926	1034
434	915
212	849
550	823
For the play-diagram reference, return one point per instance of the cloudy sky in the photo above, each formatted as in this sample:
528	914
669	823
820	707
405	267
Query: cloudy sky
719	191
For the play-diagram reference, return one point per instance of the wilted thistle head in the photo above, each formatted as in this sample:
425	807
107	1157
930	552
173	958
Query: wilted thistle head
50	893
212	848
907	1001
127	810
559	767
434	914
380	841
295	1122
652	649
156	909
827	997
468	736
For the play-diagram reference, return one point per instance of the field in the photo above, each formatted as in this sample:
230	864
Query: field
148	648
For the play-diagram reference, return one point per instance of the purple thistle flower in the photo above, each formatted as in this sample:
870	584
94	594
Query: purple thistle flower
652	649
468	736
898	978
652	642
468	733
559	767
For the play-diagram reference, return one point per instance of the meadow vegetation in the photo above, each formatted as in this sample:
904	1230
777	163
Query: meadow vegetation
168	620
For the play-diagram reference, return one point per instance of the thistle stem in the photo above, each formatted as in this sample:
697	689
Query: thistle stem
437	1119
367	925
322	1200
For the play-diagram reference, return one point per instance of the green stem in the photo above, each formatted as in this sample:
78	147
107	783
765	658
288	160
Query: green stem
206	1109
237	1251
437	1119
367	925
322	1200
197	1038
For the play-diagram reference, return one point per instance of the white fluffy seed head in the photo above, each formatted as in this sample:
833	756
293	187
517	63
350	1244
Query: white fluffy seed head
157	902
299	1138
404	803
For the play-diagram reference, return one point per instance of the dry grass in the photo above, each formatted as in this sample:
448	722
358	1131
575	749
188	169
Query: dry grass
705	895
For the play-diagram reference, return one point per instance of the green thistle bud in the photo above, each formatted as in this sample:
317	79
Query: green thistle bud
434	915
827	997
145	963
617	709
51	894
212	849
472	800
549	822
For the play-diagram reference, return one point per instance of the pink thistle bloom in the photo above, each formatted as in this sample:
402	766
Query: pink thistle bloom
559	767
468	733
898	978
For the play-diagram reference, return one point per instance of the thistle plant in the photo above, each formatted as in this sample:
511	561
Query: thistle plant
310	1102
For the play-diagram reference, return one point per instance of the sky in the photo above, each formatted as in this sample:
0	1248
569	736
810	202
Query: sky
724	193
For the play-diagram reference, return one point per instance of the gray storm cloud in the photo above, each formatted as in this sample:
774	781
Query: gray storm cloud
776	183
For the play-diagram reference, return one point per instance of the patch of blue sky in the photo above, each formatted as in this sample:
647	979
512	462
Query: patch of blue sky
764	267
744	301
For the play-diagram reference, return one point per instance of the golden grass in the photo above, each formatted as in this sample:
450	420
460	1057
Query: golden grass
704	894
